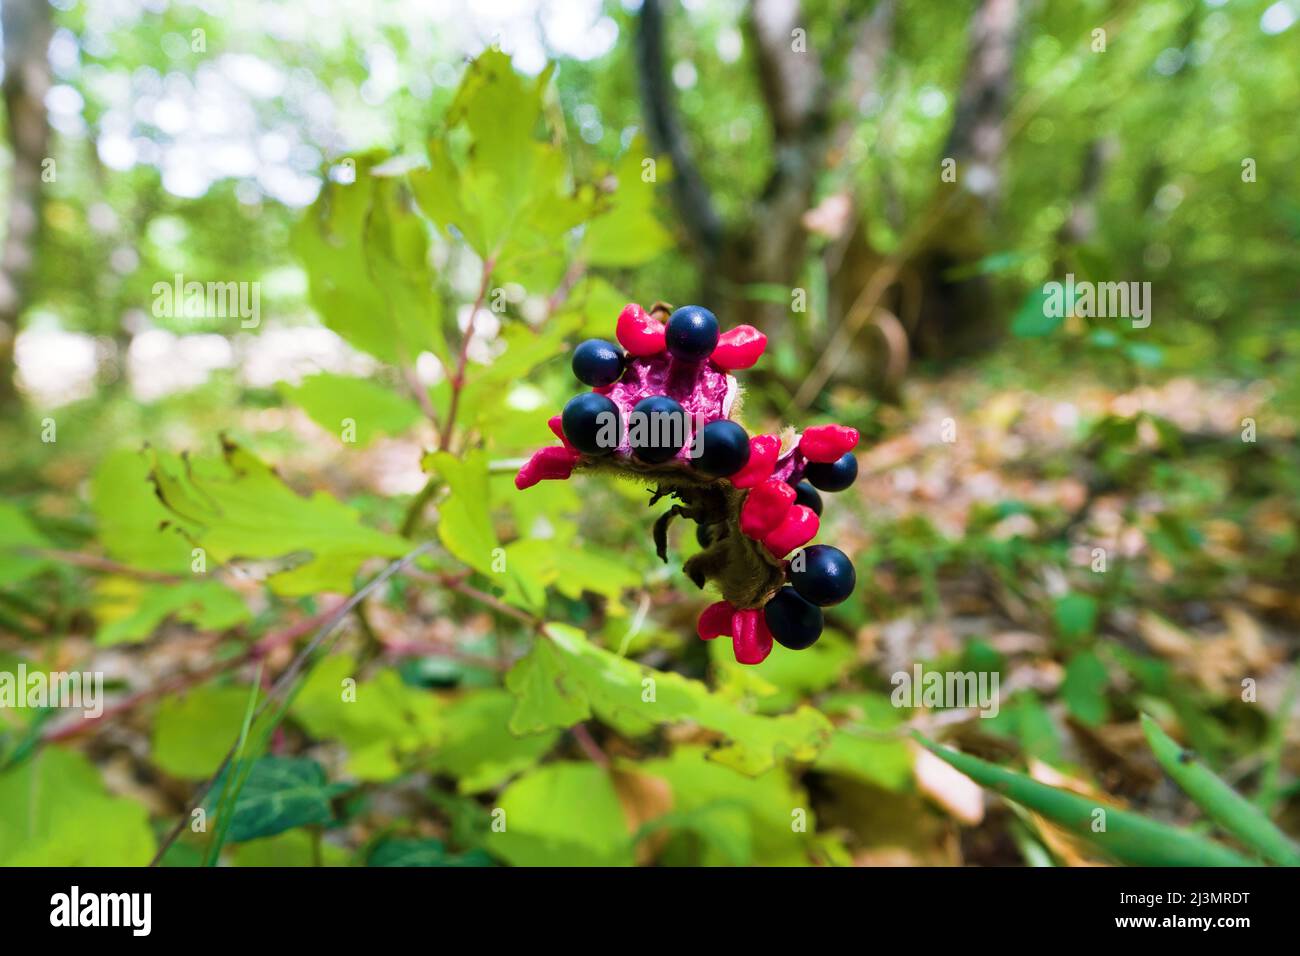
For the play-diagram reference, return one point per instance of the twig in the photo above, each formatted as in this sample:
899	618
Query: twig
180	682
94	562
286	680
458	380
589	746
414	511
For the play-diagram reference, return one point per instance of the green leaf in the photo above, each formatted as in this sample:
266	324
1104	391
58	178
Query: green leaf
55	811
338	403
382	721
479	750
131	610
465	523
279	794
192	734
865	747
627	234
132	523
747	817
1225	806
1084	688
17	535
506	193
1032	320
565	679
562	814
237	507
399	851
291	848
366	255
1075	615
784	680
1128	837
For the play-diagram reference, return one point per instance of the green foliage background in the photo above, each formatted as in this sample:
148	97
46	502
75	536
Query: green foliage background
527	689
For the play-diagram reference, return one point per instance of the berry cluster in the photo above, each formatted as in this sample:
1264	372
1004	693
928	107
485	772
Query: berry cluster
660	409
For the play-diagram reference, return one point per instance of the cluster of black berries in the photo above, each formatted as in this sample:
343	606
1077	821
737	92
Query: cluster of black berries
660	408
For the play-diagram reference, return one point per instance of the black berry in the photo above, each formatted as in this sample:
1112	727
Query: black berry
833	476
598	363
692	333
806	495
591	423
822	574
794	622
656	429
724	449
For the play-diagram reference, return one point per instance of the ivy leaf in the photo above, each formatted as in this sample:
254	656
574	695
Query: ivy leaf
400	851
565	679
366	254
334	401
565	814
237	507
279	794
55	811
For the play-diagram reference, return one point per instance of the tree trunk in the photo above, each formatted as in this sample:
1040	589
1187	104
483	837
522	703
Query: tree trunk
27	33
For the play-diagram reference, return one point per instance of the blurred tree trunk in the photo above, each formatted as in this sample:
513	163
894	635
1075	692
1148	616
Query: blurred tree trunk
27	33
957	315
768	246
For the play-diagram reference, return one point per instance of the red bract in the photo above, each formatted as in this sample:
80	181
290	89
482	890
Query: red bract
557	428
715	620
740	347
827	443
639	333
763	450
750	639
765	508
553	462
797	529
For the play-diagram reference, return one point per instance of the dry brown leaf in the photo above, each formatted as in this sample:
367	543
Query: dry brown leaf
955	792
644	798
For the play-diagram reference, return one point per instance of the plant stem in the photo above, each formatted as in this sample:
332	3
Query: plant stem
458	380
414	511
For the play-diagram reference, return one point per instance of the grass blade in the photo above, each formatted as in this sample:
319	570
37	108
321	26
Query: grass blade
1128	838
1225	806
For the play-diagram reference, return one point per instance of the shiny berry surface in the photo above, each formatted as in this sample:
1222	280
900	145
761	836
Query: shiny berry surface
806	495
724	449
656	429
588	426
794	622
692	333
598	363
822	574
833	476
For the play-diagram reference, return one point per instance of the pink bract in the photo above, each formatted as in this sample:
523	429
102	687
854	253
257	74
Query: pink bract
705	392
